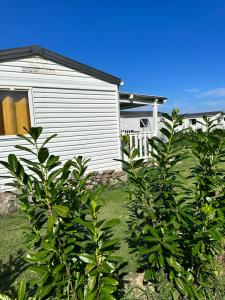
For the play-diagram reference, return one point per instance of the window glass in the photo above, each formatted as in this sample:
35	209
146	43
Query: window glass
193	121
144	123
14	112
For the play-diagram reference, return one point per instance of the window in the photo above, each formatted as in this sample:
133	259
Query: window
14	112
144	123
193	121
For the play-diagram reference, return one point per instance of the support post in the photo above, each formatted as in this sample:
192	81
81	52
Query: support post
155	117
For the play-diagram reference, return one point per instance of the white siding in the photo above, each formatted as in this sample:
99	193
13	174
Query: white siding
81	109
133	123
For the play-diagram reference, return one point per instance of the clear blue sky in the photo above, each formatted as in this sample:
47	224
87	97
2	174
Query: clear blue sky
174	48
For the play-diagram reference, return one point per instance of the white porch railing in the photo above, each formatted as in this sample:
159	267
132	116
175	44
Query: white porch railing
139	140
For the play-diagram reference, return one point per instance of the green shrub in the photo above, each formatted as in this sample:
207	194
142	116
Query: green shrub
69	248
177	231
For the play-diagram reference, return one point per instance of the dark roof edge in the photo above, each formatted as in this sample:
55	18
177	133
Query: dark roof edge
22	52
125	95
201	114
131	114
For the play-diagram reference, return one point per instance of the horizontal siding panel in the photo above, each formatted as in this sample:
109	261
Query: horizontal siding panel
81	115
58	101
79	119
61	96
60	91
91	130
72	139
68	125
42	107
83	143
25	82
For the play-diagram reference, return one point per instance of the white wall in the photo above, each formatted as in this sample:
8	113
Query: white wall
188	124
81	109
133	123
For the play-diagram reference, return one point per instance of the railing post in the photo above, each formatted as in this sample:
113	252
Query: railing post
155	117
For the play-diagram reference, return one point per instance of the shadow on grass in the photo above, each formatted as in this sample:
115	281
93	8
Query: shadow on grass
10	271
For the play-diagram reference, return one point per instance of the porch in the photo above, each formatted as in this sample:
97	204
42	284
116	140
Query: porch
139	138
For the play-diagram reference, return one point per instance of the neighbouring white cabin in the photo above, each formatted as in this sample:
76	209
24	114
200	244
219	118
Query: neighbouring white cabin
195	120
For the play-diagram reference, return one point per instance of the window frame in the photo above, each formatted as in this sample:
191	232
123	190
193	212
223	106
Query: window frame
29	91
195	121
143	123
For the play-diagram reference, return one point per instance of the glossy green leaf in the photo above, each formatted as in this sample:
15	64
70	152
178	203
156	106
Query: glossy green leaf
61	210
43	154
44	291
22	290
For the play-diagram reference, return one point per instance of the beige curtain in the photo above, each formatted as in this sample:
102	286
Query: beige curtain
14	114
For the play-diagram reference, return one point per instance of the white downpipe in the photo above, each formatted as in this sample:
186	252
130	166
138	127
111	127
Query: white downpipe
155	117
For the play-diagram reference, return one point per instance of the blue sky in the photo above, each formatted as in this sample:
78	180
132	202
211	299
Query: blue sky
174	48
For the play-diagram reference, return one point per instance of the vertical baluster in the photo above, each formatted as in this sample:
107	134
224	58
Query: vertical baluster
149	147
136	141
145	145
141	144
131	144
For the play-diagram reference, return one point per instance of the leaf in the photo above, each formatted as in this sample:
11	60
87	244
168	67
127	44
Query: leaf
87	258
87	225
69	249
154	232
22	290
54	174
108	289
61	210
182	286
22	136
35	132
111	223
155	248
48	140
25	149
13	162
58	269
4	297
43	154
148	275
166	132
48	246
173	263
196	248
40	270
89	268
90	296
44	291
109	280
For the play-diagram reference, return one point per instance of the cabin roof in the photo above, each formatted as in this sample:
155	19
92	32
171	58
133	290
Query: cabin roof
34	50
137	114
132	100
201	114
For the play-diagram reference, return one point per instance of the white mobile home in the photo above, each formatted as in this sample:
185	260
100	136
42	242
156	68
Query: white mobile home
81	104
194	120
